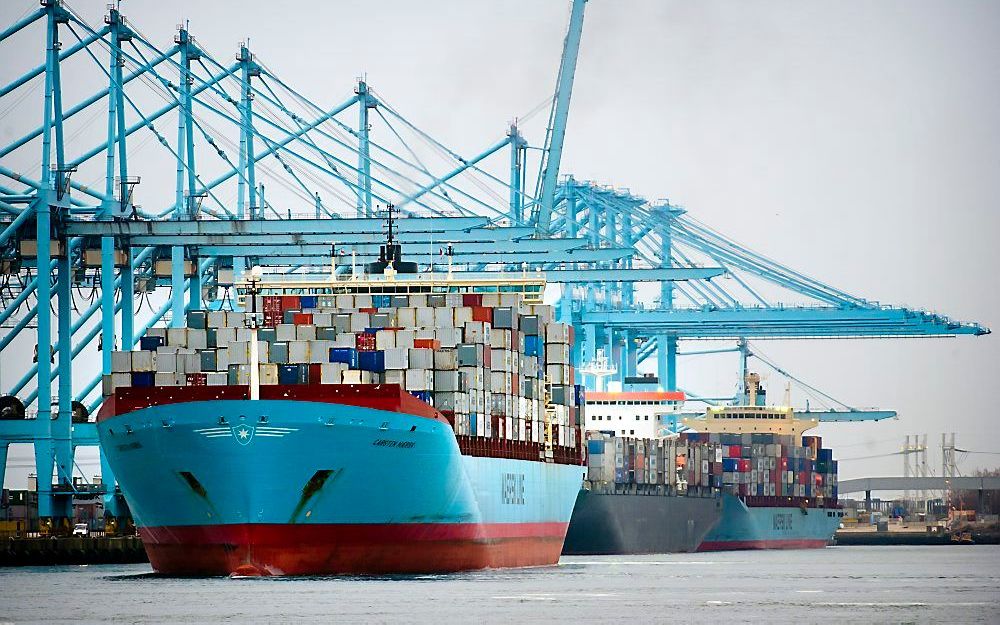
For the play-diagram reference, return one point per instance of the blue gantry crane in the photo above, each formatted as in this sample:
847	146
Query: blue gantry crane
263	175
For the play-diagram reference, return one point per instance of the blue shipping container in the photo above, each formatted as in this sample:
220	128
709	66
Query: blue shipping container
308	301
381	301
424	396
346	355
150	343
595	448
293	374
533	346
730	465
372	361
143	378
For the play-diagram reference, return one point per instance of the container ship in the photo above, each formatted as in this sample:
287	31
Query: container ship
378	423
637	498
779	487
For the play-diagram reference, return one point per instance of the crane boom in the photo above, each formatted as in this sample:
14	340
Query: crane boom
560	113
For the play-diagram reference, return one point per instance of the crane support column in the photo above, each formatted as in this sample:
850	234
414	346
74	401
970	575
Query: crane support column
517	149
364	160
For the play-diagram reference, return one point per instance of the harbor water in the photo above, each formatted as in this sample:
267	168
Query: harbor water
941	584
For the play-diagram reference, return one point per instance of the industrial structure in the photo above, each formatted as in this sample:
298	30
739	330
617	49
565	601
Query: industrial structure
264	176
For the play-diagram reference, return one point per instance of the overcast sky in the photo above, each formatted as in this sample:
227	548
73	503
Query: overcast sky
857	142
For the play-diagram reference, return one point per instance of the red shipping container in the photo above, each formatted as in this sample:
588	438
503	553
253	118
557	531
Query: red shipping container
472	299
272	303
315	373
197	379
735	451
290	302
426	344
783	463
370	311
302	319
482	313
364	342
744	465
803	479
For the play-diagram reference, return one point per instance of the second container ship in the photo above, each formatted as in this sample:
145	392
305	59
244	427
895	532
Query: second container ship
373	424
637	498
779	487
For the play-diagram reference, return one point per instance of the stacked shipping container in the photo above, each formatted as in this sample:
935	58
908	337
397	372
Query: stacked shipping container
647	464
767	465
494	366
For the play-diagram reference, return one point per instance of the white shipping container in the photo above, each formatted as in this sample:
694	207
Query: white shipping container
462	315
157	331
197	339
449	337
162	378
322	319
166	362
419	379
397	358
502	360
225	336
332	372
443	318
319	352
217	378
345	302
121	362
121	380
235	319
298	352
216	318
421	358
268	373
491	300
424	317
455	402
142	361
449	381
190	363
285	332
239	353
345	339
557	354
177	337
385	339
558	374
362	300
394	376
356	376
244	335
557	333
545	313
360	321
406	317
445	359
305	332
501	339
404	338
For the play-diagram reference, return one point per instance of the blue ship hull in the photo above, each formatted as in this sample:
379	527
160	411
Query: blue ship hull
779	527
304	487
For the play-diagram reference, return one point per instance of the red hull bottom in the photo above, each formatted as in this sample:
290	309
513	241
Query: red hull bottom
740	545
259	549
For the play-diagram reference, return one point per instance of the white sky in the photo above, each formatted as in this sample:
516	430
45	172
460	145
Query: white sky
857	142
